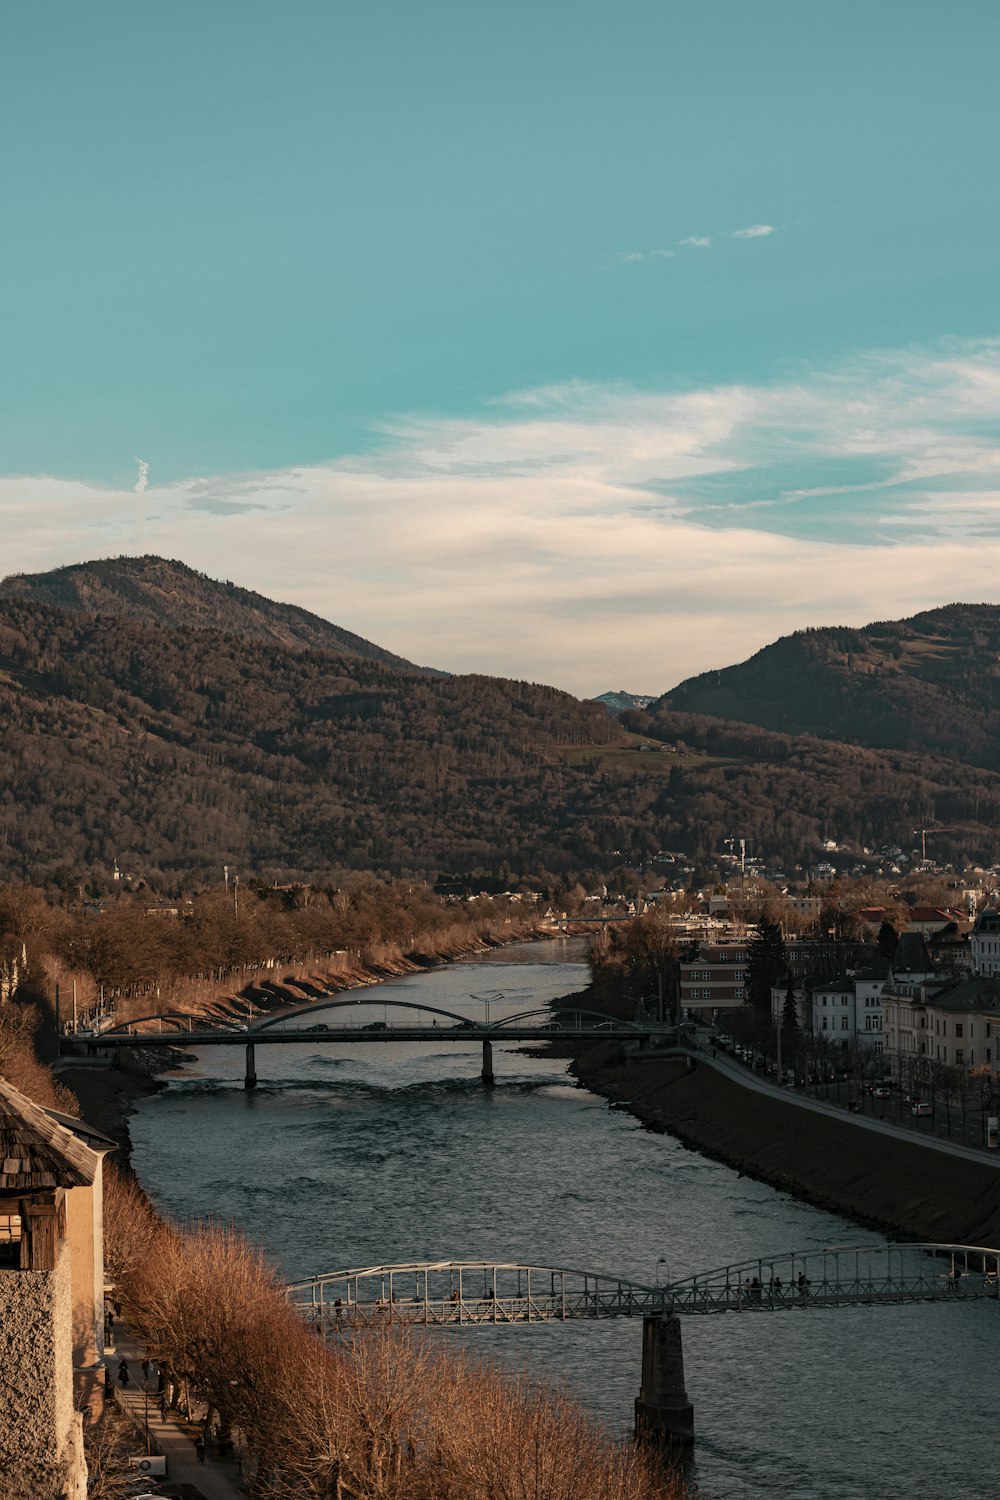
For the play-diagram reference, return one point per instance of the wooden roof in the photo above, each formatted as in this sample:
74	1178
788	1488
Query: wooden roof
37	1152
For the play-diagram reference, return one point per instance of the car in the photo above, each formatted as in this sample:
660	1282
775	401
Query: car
921	1107
882	1092
375	1026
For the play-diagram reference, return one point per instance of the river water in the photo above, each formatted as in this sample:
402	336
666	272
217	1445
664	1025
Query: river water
370	1153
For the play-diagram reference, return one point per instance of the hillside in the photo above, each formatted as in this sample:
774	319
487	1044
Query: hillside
173	751
929	683
158	591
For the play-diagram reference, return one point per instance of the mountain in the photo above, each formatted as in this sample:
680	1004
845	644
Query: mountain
170	594
172	750
618	702
929	684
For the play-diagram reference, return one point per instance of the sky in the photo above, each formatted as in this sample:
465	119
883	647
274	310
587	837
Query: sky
593	344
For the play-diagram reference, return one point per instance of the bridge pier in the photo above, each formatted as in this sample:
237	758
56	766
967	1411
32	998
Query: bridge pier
487	1061
250	1081
663	1413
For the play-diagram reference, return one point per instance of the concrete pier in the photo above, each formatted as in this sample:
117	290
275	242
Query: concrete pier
663	1413
250	1081
487	1061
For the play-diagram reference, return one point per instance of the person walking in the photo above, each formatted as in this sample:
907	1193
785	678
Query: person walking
123	1372
199	1448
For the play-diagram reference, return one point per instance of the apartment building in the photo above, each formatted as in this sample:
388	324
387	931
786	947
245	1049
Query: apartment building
956	1025
714	981
849	1008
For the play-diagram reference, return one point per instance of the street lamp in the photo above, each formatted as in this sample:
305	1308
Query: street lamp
662	1262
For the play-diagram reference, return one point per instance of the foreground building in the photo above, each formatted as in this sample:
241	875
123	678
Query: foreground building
51	1297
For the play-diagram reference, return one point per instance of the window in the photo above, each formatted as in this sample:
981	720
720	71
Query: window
824	1023
844	1023
958	1028
843	999
737	992
959	1055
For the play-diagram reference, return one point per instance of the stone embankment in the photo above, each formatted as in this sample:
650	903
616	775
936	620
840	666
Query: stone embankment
896	1186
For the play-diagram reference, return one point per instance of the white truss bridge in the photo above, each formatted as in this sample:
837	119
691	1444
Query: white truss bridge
448	1292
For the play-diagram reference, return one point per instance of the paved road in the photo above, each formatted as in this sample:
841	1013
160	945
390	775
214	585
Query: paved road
215	1479
750	1080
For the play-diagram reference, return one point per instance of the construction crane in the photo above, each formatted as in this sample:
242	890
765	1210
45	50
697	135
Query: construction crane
923	832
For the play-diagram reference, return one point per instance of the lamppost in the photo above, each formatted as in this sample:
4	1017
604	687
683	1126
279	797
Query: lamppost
662	1262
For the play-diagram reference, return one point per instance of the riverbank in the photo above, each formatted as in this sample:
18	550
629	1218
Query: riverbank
899	1188
107	1096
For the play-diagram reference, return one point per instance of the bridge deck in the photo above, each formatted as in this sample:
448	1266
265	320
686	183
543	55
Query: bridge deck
444	1293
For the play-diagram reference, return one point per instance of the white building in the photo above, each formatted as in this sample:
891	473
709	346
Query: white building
956	1025
849	1009
985	941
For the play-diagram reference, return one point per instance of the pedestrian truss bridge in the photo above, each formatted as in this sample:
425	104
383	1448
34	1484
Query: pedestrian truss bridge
444	1293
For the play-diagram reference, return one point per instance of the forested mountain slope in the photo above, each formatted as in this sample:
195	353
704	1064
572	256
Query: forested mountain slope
930	683
161	592
174	751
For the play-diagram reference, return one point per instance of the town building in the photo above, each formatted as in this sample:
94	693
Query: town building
984	942
956	1024
51	1296
714	981
848	1009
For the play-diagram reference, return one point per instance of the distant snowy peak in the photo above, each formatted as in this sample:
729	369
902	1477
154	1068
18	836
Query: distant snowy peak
617	703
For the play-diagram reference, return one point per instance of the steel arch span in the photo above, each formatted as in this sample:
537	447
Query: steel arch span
449	1292
363	999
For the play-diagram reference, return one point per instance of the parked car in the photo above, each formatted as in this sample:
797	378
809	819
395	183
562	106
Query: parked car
882	1092
921	1107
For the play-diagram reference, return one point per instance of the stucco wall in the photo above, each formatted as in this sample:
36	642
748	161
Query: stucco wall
85	1238
41	1448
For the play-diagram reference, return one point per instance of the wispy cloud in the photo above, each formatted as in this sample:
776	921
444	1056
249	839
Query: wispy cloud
632	257
568	529
698	241
754	231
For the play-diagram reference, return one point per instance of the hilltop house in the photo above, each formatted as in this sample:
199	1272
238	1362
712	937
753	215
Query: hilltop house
51	1296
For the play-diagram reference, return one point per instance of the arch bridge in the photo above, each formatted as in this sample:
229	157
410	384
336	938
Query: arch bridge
446	1293
448	1027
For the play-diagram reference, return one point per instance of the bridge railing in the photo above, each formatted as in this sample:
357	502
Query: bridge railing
471	1291
840	1275
447	1292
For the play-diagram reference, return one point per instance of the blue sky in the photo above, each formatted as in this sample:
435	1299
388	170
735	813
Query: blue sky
593	343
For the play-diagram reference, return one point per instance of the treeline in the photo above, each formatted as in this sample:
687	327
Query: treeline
221	941
369	1417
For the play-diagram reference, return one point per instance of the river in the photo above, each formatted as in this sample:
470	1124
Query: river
373	1153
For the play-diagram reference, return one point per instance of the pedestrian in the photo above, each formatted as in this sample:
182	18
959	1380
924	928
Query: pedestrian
123	1372
118	1309
199	1448
164	1407
144	1367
